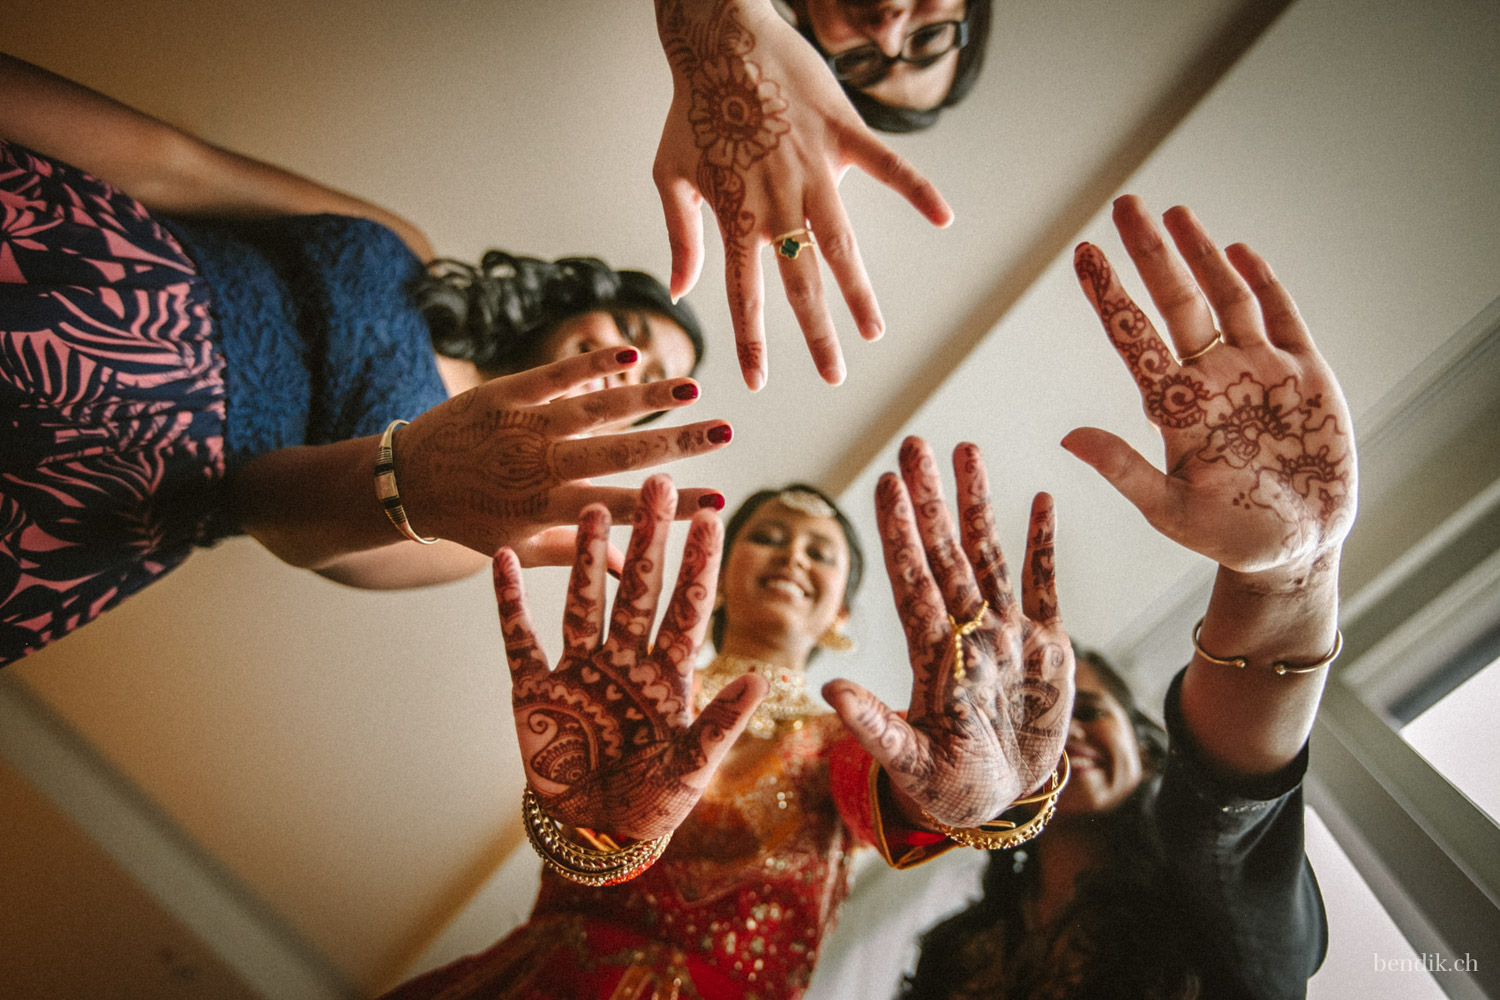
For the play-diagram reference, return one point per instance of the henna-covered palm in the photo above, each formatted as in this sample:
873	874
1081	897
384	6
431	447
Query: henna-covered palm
608	738
976	736
506	462
759	128
1260	464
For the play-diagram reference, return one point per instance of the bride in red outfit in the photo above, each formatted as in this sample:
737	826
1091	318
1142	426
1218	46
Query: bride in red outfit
697	825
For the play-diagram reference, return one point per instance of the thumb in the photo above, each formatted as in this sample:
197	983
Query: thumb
679	202
721	722
1137	479
881	731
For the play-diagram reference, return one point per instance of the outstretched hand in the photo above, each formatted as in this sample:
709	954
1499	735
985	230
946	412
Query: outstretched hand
608	738
992	690
760	129
508	462
1259	451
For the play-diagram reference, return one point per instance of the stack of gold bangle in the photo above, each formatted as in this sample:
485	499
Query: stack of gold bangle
998	834
604	863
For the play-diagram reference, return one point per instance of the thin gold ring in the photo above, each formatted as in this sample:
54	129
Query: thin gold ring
790	244
1198	354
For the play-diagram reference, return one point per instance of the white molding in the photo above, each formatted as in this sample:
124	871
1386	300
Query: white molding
262	949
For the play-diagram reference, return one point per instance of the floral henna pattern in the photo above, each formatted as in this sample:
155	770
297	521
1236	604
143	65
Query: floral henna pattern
1172	398
737	117
1298	454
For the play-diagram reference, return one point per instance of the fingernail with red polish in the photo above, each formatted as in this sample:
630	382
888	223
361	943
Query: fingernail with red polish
685	391
628	356
714	500
720	434
612	572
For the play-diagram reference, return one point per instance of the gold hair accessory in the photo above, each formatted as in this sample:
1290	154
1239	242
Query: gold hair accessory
959	631
602	862
385	484
1280	666
836	640
788	699
789	245
807	503
999	834
1198	354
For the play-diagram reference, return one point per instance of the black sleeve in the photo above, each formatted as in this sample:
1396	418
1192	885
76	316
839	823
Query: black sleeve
1235	858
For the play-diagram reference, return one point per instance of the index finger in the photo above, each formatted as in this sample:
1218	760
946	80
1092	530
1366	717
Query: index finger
918	603
878	160
836	242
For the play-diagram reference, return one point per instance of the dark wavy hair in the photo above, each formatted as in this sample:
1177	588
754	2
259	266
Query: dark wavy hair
1123	912
495	314
894	118
759	499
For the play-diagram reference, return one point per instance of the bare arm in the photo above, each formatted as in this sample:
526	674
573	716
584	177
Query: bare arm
1261	474
162	167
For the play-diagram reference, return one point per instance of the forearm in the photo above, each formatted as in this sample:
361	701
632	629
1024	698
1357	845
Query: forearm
313	505
1253	721
162	167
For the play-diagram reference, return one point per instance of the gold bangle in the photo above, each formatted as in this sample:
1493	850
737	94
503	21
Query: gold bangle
999	834
385	484
1281	667
593	866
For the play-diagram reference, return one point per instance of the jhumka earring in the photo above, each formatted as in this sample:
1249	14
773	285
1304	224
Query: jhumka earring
835	640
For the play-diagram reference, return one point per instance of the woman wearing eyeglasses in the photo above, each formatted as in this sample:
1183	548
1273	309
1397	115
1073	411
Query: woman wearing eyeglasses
900	61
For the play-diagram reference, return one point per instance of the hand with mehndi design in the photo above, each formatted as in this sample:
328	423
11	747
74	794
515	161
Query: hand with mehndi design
510	461
975	737
760	129
608	738
1259	451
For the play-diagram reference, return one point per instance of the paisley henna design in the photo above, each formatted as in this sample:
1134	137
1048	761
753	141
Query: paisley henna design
607	739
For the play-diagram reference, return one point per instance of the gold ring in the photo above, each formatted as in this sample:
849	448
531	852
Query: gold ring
790	244
1198	354
961	630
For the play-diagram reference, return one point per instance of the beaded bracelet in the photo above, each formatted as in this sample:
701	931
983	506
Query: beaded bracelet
385	484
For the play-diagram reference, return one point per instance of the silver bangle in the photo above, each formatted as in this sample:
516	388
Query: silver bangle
385	484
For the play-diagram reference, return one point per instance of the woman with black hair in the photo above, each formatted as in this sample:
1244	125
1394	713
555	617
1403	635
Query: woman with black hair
1181	874
697	825
901	62
194	344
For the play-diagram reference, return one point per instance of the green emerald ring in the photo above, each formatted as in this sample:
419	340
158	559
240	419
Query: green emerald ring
789	245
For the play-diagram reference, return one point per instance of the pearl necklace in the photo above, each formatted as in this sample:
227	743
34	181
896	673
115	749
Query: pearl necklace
788	698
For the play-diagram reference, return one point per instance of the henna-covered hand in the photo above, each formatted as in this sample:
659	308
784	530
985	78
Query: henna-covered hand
506	462
983	731
608	738
760	129
1259	445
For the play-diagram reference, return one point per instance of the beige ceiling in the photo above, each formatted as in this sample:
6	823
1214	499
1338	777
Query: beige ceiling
316	781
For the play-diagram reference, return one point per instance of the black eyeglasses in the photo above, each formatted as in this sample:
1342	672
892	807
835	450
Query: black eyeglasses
867	65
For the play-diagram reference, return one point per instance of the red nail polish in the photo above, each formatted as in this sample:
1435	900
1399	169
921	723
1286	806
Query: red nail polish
612	572
714	500
628	356
720	434
688	390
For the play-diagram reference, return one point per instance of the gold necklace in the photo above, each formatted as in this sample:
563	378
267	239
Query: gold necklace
788	698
